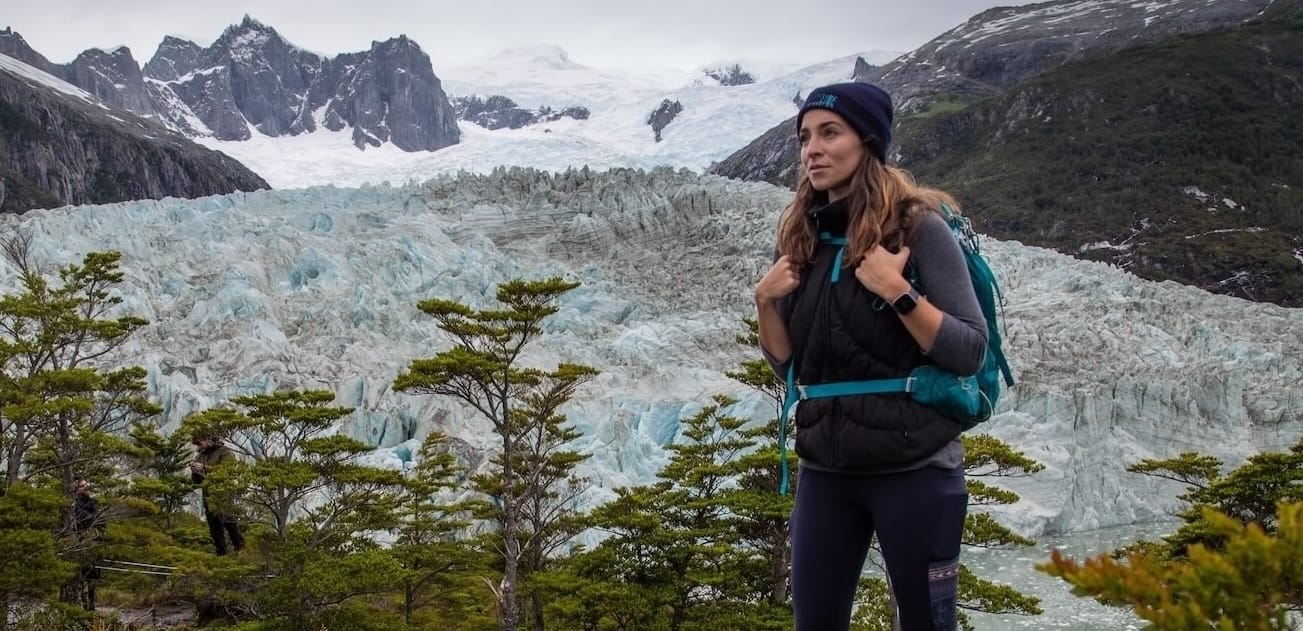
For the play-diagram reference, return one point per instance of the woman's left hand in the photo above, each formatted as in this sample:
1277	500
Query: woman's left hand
882	272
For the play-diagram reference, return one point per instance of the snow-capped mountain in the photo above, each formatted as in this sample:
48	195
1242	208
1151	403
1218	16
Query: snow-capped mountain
251	80
714	121
298	118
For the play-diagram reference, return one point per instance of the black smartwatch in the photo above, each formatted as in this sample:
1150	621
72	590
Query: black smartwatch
906	302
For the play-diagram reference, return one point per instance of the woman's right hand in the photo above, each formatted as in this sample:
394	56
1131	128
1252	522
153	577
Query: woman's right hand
781	279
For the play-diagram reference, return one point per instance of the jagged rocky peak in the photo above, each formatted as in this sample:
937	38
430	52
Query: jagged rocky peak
113	76
391	94
249	34
730	75
663	115
252	79
174	58
497	112
13	45
862	70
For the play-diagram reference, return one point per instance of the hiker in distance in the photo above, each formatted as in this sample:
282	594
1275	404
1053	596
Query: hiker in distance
869	283
87	521
212	453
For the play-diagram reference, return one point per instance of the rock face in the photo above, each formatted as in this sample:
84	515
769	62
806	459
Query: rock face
389	93
498	112
59	146
113	76
999	48
13	45
663	116
731	75
251	80
1005	45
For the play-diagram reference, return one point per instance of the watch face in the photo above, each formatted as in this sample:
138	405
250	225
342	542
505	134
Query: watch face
905	303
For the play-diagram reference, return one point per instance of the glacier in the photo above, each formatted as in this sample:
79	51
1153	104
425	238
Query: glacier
317	288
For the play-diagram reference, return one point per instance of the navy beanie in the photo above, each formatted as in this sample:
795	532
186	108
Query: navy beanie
865	106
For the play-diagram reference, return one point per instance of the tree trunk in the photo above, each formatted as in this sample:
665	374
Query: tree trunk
510	607
536	602
780	567
16	451
408	597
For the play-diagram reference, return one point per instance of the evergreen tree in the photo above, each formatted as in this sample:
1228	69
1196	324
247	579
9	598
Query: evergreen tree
1249	493
1252	580
765	511
30	564
676	557
322	565
483	370
441	586
53	398
548	486
63	408
162	486
1234	561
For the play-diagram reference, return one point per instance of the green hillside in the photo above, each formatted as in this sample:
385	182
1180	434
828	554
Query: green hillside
1190	153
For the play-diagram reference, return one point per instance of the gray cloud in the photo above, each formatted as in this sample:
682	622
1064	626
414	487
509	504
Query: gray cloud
668	33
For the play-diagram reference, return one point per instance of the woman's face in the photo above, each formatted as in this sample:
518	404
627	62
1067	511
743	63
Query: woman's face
830	151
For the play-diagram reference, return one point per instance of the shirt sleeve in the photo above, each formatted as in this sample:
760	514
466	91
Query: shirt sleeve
960	344
779	368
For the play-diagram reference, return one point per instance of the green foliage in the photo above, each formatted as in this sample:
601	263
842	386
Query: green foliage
685	552
1235	561
163	483
320	565
1250	582
530	483
1248	493
441	586
30	565
295	465
63	411
985	455
1188	468
311	586
942	105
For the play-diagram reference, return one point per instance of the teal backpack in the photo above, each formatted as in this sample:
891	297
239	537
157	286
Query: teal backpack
969	400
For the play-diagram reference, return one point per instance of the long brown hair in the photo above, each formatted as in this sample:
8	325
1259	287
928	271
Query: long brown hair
879	204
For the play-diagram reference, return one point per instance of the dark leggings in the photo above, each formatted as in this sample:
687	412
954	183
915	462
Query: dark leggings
216	524
919	518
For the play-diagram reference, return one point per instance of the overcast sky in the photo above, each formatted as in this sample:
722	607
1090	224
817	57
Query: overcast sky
604	33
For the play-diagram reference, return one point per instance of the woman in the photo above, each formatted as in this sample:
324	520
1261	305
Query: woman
869	463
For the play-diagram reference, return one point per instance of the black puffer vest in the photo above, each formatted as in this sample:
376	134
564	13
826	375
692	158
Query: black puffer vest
842	332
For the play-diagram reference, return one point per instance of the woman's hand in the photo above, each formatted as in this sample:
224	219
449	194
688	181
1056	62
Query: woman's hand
781	279
883	272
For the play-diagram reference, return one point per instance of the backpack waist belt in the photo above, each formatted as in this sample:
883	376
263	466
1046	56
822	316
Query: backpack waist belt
797	392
